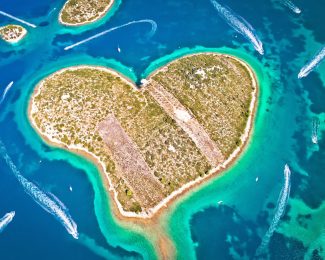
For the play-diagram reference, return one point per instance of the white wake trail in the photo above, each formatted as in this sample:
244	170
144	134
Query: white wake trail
151	33
6	91
51	11
17	19
240	25
4	222
41	198
279	211
314	136
292	6
311	65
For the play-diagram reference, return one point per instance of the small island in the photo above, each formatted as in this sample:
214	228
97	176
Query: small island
12	33
81	12
189	120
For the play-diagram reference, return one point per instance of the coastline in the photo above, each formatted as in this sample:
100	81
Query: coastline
100	15
185	188
149	221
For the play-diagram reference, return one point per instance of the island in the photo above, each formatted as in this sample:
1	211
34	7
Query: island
188	121
12	33
81	12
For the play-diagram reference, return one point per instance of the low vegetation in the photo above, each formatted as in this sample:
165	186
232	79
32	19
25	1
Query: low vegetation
145	152
12	33
217	90
78	12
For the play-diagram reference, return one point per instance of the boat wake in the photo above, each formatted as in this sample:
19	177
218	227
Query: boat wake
52	206
240	25
279	211
292	6
311	65
17	19
6	91
150	34
4	222
314	136
51	11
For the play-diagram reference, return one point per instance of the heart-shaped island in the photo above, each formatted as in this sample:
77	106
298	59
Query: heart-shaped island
186	122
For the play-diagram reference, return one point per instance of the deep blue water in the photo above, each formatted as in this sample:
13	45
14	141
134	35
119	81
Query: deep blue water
202	228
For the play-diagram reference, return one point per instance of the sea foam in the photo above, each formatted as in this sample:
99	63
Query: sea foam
52	206
17	19
6	91
292	6
312	64
279	211
4	222
240	25
150	34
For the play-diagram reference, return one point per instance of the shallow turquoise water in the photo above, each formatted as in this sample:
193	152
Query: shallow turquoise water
198	225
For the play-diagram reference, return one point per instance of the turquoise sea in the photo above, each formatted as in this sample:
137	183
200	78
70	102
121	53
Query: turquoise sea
199	226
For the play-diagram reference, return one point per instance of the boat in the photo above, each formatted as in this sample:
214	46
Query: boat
314	136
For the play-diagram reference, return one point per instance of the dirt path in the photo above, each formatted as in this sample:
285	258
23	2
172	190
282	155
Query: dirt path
130	163
187	122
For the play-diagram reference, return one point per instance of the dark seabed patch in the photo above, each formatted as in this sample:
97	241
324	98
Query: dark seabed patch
222	232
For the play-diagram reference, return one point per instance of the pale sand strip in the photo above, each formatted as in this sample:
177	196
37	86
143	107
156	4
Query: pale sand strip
131	166
187	122
164	203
